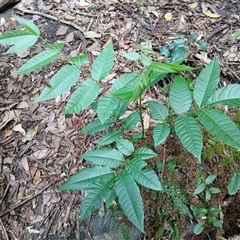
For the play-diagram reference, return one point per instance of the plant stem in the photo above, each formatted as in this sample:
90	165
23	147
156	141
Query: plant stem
141	117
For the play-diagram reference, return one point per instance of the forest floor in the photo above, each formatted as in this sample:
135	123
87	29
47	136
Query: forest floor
40	147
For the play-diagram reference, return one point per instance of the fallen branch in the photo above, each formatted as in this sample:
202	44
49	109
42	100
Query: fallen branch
50	17
21	203
4	230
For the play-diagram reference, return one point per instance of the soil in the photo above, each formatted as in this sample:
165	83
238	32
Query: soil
40	147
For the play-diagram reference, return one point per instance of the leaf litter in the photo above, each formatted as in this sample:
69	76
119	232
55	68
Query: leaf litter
40	148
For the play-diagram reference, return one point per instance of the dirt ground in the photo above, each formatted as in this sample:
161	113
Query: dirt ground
40	147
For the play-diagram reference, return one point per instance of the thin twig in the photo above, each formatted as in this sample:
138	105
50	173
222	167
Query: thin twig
4	230
50	17
5	193
21	203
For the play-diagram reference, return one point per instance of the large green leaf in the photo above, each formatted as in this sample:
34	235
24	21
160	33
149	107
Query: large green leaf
83	96
97	192
38	61
103	64
146	178
125	146
110	137
234	184
180	96
158	111
106	105
189	133
206	82
130	199
179	67
95	126
104	156
86	176
127	79
160	133
21	40
131	121
144	153
229	95
62	81
168	67
221	126
30	26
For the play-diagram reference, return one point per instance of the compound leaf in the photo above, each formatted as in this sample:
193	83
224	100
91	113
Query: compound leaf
221	126
86	176
62	81
130	199
160	133
83	96
180	96
103	64
38	61
104	156
106	105
158	111
97	192
229	95
189	133
124	146
206	82
146	178
131	121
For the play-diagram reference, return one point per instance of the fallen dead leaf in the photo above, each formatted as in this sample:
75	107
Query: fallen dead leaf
9	116
19	128
40	154
193	5
211	15
62	30
92	34
37	178
24	163
168	17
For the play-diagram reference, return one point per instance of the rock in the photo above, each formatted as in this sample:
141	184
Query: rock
5	3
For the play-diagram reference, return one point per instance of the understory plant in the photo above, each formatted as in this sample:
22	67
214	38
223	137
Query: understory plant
117	167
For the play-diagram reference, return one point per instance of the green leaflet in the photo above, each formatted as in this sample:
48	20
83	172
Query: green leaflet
206	82
234	184
95	126
86	176
130	199
104	156
180	96
110	137
190	135
38	61
160	133
103	64
83	96
146	178
97	192
61	82
221	126
106	105
127	79
229	95
30	26
125	146
132	56
79	60
144	153
21	40
158	111
131	121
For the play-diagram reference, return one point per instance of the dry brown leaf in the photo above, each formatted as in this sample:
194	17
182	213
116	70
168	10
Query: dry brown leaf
168	17
69	38
19	128
193	5
24	163
9	116
40	154
92	34
211	15
37	178
62	30
146	121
